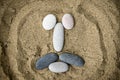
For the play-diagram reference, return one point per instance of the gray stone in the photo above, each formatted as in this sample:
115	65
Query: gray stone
46	60
72	59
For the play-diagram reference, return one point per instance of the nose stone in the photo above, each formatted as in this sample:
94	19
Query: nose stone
58	37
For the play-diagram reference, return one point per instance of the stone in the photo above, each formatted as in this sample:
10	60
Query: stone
72	59
68	21
49	22
58	67
46	60
58	37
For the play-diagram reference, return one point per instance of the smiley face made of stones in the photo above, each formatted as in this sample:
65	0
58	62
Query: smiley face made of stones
50	59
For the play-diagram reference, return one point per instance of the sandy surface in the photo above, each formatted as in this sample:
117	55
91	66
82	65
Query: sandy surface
95	37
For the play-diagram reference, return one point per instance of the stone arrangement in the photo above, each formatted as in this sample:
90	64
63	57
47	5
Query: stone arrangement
50	59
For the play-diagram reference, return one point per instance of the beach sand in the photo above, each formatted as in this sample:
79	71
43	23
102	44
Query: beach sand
95	37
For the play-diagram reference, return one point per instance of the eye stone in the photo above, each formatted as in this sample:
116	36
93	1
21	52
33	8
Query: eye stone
49	22
68	21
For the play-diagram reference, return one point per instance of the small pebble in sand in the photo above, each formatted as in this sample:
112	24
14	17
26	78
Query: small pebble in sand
68	21
72	59
58	37
49	22
46	60
58	67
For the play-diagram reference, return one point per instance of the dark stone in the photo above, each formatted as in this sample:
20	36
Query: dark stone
72	59
46	60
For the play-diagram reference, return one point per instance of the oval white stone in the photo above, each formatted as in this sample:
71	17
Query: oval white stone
58	67
67	21
58	37
49	22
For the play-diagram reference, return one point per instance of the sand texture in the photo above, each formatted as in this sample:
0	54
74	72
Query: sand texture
95	37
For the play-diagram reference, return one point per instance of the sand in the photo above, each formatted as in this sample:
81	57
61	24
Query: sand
95	37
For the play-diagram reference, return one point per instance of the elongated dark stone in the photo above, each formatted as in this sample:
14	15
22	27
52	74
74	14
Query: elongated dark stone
72	59
46	60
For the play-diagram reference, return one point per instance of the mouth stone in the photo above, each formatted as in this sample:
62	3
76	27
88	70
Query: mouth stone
58	67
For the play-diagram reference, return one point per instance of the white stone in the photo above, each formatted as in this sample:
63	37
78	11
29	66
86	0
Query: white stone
58	37
49	22
58	67
68	21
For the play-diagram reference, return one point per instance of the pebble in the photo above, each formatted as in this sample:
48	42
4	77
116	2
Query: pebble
49	22
58	37
58	67
72	59
68	21
46	60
